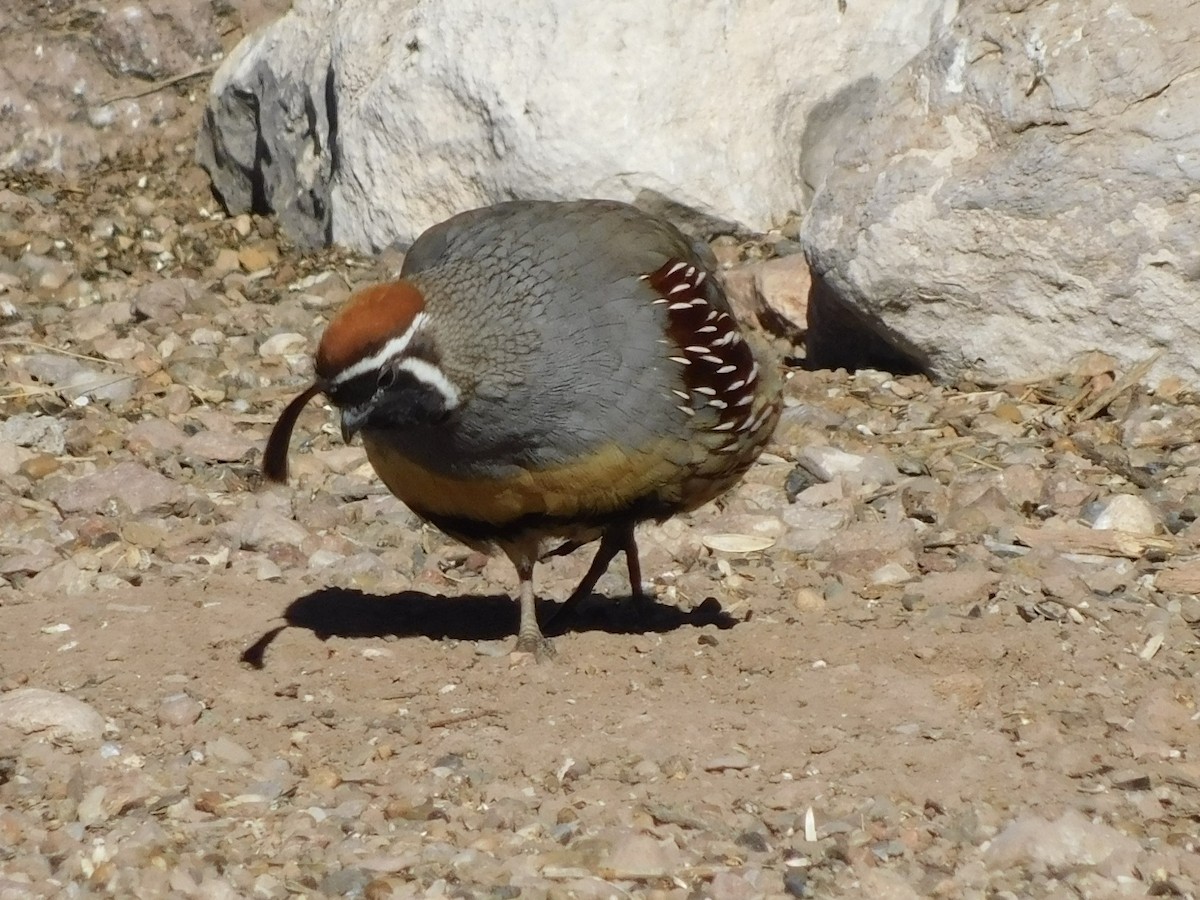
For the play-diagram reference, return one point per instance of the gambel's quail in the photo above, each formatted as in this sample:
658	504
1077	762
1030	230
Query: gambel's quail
543	375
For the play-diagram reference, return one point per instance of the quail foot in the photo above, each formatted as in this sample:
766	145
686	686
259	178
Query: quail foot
543	375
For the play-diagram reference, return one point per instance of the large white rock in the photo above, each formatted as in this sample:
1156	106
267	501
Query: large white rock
58	716
1025	189
365	121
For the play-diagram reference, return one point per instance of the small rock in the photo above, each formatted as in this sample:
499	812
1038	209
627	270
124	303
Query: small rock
795	882
261	529
959	588
729	761
226	261
890	573
773	292
730	886
59	716
38	467
1125	512
156	435
257	257
216	446
809	600
883	884
208	337
61	578
76	378
179	709
827	463
91	808
137	487
228	751
1071	842
286	344
44	433
635	855
163	302
349	882
12	458
1180	578
737	544
34	557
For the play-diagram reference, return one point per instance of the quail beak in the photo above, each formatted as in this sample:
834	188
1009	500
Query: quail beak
353	419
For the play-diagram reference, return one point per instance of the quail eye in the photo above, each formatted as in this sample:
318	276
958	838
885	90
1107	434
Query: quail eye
386	379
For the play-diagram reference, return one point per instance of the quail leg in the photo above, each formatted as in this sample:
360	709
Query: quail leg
615	540
529	635
641	600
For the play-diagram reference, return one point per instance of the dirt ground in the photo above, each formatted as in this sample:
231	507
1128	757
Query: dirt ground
946	674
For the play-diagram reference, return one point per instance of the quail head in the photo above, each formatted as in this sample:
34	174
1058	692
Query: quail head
543	375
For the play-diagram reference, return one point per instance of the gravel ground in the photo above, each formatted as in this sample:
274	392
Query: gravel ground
941	642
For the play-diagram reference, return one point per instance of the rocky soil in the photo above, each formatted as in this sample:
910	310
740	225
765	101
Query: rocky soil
942	642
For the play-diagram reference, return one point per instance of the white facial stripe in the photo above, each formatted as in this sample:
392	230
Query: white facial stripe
387	351
431	375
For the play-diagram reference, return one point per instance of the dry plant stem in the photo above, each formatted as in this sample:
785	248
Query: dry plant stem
1120	386
134	93
24	342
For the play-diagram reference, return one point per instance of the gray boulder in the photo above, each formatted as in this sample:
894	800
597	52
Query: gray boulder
1025	189
364	122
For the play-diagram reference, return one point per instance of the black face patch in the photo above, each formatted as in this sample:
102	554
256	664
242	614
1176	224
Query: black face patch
387	400
406	401
356	392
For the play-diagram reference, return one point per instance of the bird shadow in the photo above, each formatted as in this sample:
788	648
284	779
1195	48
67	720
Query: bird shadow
345	612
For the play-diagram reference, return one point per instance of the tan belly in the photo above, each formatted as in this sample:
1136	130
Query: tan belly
605	483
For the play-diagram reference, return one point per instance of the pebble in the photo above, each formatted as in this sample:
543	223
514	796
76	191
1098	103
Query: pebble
734	761
163	301
258	529
1070	842
154	435
809	600
730	886
44	433
217	446
137	487
179	709
257	257
288	343
50	714
890	573
1125	512
62	578
827	463
636	855
225	750
882	884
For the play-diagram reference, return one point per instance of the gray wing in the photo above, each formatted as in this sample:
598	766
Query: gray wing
567	344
